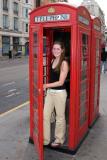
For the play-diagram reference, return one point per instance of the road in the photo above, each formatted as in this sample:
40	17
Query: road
14	83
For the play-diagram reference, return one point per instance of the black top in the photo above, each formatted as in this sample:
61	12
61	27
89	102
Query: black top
54	76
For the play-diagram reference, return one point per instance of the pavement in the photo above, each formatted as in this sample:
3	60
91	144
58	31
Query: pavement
6	62
14	135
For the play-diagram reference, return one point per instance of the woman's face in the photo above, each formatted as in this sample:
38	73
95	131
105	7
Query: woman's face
56	50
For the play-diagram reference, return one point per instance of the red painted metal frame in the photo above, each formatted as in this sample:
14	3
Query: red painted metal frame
77	28
96	35
30	82
38	139
77	133
82	130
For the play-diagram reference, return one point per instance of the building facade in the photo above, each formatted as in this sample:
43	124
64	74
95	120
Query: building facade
43	2
96	11
14	25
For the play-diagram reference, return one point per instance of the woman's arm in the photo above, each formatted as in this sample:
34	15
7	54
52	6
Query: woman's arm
63	74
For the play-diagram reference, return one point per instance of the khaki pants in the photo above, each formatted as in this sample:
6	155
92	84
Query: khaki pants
57	100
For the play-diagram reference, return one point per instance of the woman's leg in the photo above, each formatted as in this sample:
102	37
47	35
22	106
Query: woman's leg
48	109
60	104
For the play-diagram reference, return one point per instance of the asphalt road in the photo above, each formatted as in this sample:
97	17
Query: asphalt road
14	83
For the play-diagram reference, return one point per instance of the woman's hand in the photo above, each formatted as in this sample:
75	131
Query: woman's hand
45	86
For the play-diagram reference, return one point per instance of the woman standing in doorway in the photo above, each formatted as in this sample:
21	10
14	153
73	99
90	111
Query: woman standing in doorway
56	96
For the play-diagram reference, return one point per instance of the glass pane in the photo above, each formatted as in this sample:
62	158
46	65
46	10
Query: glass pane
96	81
35	103
84	51
96	74
84	45
84	39
35	38
83	74
35	91
97	48
97	52
83	119
82	109
44	61
35	56
44	71
83	97
35	64
35	51
96	96
97	61
83	86
35	78
36	122
44	79
44	45
84	64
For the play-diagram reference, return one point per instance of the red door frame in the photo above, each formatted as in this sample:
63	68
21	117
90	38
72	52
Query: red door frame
82	130
36	123
96	35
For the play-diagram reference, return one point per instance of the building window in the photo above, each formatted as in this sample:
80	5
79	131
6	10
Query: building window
15	24
27	1
15	8
5	22
26	13
5	45
16	45
15	40
26	27
5	5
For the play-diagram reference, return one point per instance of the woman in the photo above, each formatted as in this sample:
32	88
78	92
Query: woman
56	96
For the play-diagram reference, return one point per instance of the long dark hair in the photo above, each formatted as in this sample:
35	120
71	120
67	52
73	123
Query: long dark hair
62	57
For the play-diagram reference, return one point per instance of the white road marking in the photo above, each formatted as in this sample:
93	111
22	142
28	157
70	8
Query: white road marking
11	90
17	93
10	95
7	84
14	109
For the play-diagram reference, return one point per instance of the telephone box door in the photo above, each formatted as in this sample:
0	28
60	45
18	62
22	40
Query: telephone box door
84	82
36	80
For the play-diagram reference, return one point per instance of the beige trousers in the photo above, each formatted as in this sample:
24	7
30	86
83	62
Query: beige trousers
55	100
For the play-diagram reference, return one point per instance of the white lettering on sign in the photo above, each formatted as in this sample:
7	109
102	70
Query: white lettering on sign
59	17
83	20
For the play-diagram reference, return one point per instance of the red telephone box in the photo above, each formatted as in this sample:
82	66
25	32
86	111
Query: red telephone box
72	26
95	70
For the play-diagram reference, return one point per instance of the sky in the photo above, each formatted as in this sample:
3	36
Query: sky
102	4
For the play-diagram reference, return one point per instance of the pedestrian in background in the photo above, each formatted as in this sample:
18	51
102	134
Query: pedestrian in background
10	54
14	53
103	60
56	96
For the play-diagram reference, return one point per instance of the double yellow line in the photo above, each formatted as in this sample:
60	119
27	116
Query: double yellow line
14	109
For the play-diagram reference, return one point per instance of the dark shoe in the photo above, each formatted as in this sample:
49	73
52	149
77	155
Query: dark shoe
46	145
55	145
